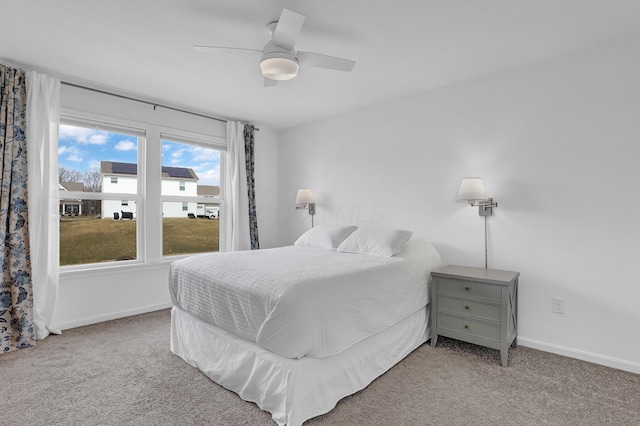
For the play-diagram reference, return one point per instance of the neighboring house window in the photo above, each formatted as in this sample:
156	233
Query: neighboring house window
90	153
196	164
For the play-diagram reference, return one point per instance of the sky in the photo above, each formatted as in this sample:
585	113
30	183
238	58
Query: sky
82	149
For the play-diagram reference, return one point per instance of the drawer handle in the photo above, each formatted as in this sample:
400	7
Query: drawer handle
466	289
466	307
466	327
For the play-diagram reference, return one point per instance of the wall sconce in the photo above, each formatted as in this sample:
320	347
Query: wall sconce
472	190
304	200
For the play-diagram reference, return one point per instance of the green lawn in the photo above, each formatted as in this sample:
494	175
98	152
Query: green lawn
86	240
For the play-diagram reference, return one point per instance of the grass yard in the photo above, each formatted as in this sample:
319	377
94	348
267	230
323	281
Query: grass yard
87	240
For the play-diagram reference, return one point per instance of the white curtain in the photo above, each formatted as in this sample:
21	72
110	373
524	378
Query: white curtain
234	233
43	111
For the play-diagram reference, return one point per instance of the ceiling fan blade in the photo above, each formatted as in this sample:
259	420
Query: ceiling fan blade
325	61
288	29
270	83
237	50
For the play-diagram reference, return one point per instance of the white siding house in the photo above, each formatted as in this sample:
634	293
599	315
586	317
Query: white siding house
210	210
70	207
122	178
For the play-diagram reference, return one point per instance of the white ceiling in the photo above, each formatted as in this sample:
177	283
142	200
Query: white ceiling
401	47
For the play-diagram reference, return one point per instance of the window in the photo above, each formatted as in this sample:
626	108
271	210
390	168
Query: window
109	192
93	157
195	165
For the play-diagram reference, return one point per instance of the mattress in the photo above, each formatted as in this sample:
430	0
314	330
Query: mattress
302	301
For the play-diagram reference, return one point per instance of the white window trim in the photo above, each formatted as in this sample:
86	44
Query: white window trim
190	138
146	198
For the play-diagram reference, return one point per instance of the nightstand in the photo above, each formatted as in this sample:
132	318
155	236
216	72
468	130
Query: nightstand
475	305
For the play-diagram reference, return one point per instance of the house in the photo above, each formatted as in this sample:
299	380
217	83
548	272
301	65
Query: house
123	178
539	98
68	207
209	210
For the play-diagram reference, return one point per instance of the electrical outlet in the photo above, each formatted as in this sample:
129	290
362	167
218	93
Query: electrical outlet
557	305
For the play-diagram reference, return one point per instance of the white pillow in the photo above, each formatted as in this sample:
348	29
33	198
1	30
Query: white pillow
327	237
378	242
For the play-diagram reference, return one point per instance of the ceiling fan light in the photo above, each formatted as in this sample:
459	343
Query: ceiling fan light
277	68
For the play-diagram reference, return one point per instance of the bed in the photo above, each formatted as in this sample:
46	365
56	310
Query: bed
295	329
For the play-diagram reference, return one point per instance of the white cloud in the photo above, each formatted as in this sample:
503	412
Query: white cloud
209	176
204	154
125	146
94	165
70	153
82	135
75	158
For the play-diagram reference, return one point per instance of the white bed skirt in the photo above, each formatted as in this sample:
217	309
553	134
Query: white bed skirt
292	390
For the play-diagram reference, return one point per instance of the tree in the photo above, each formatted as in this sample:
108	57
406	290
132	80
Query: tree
66	175
92	180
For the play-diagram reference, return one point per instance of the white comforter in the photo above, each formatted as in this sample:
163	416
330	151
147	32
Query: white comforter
300	301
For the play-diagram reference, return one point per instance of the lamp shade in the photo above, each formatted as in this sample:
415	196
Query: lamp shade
278	67
471	189
304	196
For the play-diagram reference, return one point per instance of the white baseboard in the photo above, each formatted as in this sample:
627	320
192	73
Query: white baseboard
111	316
619	364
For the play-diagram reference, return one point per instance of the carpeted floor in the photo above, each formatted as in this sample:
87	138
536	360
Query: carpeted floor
122	373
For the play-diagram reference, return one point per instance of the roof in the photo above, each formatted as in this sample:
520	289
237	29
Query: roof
72	186
117	168
208	190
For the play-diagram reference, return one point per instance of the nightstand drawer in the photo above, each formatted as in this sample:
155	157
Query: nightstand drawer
470	327
469	289
469	308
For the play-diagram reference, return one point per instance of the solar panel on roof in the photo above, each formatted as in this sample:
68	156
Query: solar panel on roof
178	172
124	168
132	169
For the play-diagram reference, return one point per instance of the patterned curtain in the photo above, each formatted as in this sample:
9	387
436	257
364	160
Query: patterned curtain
251	185
16	297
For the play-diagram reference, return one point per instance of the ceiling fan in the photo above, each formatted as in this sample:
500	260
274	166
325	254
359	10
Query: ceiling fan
280	60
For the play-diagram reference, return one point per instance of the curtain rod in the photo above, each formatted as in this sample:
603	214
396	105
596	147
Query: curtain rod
154	104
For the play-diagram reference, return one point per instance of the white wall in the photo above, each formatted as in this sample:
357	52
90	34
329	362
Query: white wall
557	145
86	297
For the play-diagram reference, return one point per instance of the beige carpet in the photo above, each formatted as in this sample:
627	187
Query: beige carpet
122	373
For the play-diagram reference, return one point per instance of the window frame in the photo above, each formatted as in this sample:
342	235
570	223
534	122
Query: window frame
194	139
116	126
148	198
